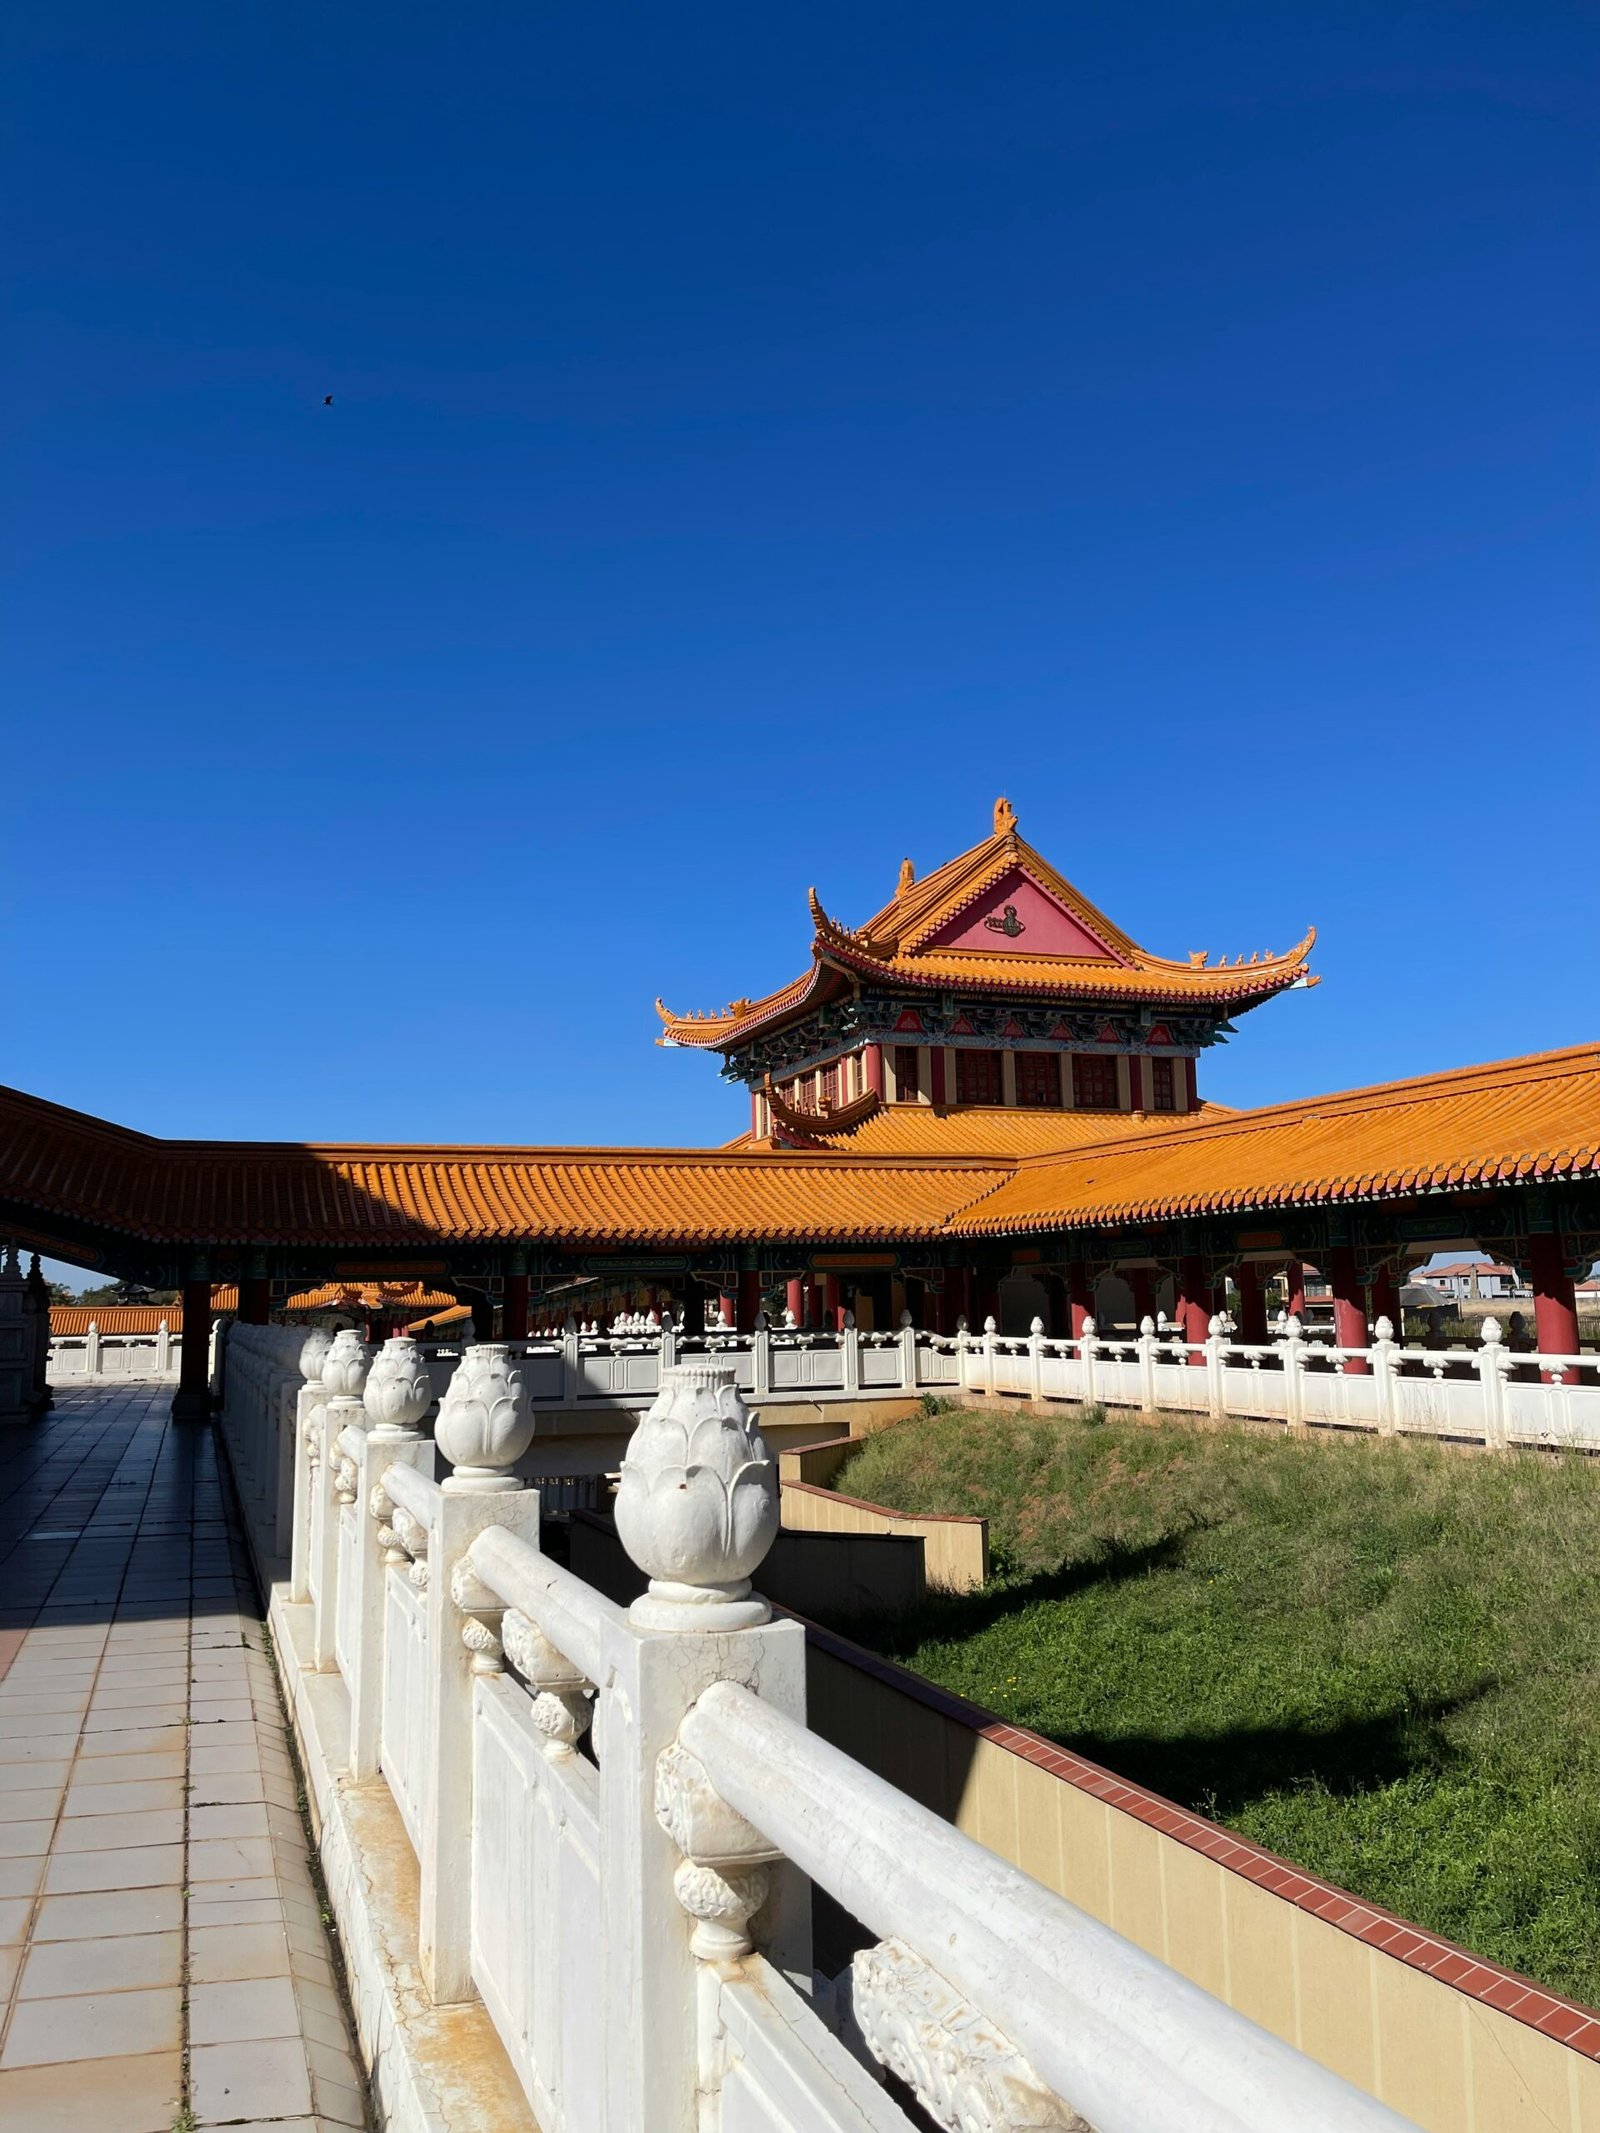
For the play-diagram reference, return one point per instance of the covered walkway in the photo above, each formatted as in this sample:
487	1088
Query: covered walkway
163	1961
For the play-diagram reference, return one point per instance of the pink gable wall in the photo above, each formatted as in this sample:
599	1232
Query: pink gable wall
1046	928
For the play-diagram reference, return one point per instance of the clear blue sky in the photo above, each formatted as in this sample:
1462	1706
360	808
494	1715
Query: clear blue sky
759	438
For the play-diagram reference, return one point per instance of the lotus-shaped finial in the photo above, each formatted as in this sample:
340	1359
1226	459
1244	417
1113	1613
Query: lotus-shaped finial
698	1502
484	1424
345	1366
399	1390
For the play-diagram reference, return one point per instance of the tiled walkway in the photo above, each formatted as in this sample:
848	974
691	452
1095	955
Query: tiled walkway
163	1962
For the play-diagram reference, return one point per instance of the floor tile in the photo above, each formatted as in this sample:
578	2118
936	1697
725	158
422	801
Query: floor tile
129	2095
267	2079
102	1914
115	1799
140	1867
220	1953
243	2011
110	1832
100	2025
56	1967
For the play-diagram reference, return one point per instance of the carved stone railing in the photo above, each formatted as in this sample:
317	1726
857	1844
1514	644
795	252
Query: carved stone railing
619	1815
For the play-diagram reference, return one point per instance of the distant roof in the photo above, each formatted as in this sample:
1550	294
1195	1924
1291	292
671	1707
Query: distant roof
966	929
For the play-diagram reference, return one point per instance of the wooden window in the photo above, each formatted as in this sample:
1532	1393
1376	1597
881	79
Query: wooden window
1039	1080
1094	1082
1163	1092
905	1074
830	1085
799	1093
978	1078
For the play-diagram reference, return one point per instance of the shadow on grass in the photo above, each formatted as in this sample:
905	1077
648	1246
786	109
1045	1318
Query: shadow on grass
1219	1774
949	1617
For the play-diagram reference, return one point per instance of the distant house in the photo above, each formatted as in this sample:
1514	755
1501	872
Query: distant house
1475	1280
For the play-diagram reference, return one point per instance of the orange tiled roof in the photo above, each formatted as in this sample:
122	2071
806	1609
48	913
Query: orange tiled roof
73	1320
1519	1118
265	1192
900	944
974	1129
367	1296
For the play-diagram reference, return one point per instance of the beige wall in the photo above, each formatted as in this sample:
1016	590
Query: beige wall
955	1550
1436	2055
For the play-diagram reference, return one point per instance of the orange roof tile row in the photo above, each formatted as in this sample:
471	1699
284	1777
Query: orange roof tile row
985	1129
1519	1118
1481	1125
72	1321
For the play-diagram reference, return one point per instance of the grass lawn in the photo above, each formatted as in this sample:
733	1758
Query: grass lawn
1382	1661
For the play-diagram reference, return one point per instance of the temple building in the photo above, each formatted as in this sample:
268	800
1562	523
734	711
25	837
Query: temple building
992	986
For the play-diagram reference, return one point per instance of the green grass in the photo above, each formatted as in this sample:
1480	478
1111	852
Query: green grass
1382	1661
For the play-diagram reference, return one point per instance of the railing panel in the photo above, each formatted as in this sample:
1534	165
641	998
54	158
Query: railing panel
785	2071
807	1369
936	1365
635	1372
344	1641
880	1367
406	1755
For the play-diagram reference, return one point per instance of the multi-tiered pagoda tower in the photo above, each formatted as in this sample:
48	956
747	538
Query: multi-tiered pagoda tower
991	987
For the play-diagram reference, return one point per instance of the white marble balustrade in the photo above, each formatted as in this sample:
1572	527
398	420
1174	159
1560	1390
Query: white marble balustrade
618	1815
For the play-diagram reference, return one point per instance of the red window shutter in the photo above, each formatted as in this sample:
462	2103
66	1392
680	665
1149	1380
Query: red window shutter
1094	1081
1039	1080
977	1077
1163	1094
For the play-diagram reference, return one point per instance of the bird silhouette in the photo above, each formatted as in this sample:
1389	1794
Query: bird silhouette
327	399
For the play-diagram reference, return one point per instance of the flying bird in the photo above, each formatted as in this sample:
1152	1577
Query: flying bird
327	399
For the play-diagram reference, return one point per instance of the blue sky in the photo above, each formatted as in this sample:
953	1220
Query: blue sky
759	439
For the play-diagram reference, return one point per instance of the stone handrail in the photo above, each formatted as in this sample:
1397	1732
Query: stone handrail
571	1615
1133	2047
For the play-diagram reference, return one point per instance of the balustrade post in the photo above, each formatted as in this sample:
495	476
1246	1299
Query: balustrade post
687	1884
990	1375
1293	1350
1088	1349
1149	1347
850	1349
1216	1353
396	1398
963	1375
1494	1367
163	1349
344	1377
91	1351
908	1353
309	1403
1386	1369
571	1363
484	1427
761	1358
1036	1361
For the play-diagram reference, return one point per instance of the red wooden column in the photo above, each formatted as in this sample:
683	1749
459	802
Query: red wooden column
1385	1295
1349	1308
1194	1306
728	1308
794	1301
1555	1300
1252	1303
192	1401
514	1307
1294	1281
1080	1299
958	1288
749	1299
255	1300
872	1068
833	1304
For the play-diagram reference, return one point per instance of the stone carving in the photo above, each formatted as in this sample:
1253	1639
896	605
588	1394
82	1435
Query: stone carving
560	1708
398	1391
345	1365
312	1351
722	1906
697	1818
484	1646
346	1480
484	1423
966	2073
698	1503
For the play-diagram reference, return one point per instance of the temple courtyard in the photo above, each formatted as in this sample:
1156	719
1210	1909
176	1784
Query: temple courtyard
162	1948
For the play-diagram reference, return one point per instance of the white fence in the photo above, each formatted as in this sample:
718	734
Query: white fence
619	1815
93	1357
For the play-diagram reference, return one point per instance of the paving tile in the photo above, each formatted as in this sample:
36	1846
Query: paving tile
230	1858
264	2079
117	1799
23	1839
138	1867
118	1964
21	1877
109	1832
118	1741
51	1772
14	1912
20	1748
219	1953
210	1758
151	1766
100	2025
242	2011
128	2095
233	1910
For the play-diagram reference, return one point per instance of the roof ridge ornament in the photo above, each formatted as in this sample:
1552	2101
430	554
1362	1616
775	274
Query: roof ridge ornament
1005	818
908	878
